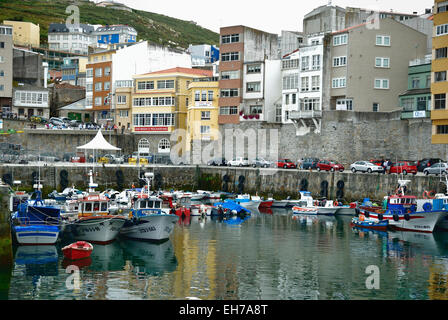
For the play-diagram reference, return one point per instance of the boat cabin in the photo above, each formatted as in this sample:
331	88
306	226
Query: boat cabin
94	205
402	204
143	206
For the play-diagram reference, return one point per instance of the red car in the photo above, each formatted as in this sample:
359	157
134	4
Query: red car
404	167
286	164
329	165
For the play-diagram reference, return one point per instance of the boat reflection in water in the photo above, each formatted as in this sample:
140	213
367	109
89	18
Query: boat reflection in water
148	258
107	257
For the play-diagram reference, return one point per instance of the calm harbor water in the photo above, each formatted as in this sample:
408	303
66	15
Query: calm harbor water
269	256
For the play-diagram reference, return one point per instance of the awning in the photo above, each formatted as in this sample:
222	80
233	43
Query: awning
99	143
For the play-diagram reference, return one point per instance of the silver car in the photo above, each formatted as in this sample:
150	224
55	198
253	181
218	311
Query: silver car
365	166
436	168
260	162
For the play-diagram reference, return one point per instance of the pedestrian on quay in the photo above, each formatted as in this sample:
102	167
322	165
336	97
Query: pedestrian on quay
389	164
384	165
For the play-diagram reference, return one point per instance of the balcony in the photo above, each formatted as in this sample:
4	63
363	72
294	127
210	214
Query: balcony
306	120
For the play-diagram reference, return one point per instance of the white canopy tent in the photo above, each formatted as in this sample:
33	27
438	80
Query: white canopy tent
99	143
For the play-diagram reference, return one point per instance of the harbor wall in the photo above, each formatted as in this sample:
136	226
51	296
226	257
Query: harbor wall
266	182
6	259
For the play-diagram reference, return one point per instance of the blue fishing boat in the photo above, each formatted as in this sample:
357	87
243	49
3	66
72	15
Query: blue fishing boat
35	223
362	222
229	207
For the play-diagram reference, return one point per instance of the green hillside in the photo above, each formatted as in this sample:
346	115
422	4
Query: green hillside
153	27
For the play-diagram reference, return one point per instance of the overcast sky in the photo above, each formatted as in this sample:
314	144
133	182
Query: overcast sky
267	15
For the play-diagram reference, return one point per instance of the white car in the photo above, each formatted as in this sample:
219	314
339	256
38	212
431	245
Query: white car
365	166
238	162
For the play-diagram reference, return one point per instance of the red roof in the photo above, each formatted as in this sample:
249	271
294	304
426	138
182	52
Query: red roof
196	72
288	54
353	27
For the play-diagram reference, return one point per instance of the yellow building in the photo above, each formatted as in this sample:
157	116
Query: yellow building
123	103
25	33
203	111
439	83
159	104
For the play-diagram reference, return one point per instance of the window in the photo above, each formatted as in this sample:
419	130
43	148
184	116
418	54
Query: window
381	84
440	76
442	129
256	109
315	83
291	81
255	68
204	96
89	73
305	84
205	129
229	75
2	73
383	41
287	99
228	110
210	96
294	98
2	87
145	85
439	101
340	40
124	113
305	63
310	104
225	93
2	59
107	71
121	99
423	103
197	96
164	147
408	104
442	30
415	83
442	7
98	101
344	104
339	61
253	87
205	115
230	38
375	107
382	62
290	64
316	62
338	83
165	84
106	85
230	56
2	45
441	53
98	72
98	86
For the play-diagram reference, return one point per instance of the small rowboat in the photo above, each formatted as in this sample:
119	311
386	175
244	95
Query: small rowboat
77	250
363	222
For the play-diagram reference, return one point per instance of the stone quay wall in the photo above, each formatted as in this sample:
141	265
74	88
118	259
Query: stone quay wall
266	182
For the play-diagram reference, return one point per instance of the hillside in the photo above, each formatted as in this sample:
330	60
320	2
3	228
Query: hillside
153	27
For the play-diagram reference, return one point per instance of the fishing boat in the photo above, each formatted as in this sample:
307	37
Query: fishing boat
35	223
406	213
367	223
194	209
307	205
94	223
78	250
149	219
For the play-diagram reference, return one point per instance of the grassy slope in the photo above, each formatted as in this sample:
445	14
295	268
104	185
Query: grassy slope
150	26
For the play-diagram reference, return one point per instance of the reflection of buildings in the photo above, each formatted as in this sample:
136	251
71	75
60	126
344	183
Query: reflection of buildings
438	280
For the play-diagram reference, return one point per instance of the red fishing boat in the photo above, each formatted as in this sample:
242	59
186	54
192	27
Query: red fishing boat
77	250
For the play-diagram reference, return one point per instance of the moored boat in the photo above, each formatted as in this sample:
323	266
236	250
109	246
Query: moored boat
367	223
78	250
307	205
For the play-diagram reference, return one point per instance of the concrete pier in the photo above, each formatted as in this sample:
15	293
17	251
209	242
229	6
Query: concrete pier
6	258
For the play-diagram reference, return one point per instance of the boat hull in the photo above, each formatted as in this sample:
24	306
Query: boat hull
36	235
418	221
154	227
265	204
98	229
72	252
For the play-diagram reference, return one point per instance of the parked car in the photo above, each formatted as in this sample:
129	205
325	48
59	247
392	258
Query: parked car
65	120
56	121
404	167
426	163
365	166
260	162
329	165
310	163
238	162
48	157
75	123
217	162
377	162
437	168
286	164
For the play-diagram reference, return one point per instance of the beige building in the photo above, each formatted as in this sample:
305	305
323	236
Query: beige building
6	71
123	104
25	33
368	65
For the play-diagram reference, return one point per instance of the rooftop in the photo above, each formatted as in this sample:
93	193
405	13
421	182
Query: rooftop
195	72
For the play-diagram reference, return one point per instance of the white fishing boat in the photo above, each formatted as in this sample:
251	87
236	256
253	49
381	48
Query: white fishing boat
149	218
307	205
94	223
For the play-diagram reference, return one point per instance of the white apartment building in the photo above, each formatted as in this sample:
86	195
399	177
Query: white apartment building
302	80
76	39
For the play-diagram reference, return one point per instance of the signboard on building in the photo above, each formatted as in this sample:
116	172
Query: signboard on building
150	129
419	114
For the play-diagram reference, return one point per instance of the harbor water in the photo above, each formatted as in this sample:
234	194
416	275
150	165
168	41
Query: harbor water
268	256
